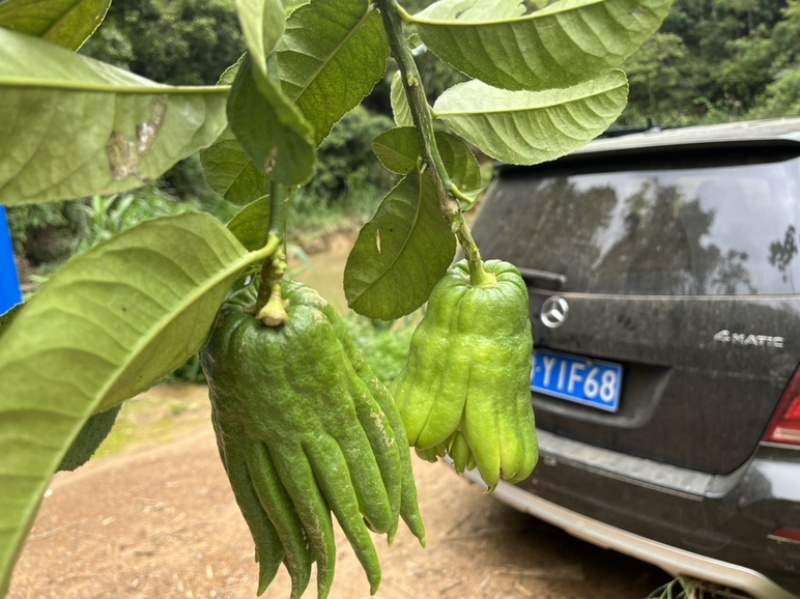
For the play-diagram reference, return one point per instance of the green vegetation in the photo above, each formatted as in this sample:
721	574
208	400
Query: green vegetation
711	61
384	345
349	182
716	61
180	42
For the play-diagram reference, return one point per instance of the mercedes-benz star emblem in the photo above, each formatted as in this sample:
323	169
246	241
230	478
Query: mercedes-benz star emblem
554	311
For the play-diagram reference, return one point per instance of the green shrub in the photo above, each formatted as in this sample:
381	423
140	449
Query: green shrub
384	345
780	98
106	216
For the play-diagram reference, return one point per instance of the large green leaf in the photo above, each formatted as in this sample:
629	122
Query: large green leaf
66	23
560	45
399	150
109	324
72	126
401	253
270	128
522	127
332	55
263	23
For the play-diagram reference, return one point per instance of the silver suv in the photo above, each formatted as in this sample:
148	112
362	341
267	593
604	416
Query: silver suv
664	284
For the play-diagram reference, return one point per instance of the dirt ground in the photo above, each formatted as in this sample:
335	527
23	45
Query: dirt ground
161	522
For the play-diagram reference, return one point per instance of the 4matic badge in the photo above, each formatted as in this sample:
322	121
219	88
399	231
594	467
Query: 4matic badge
726	336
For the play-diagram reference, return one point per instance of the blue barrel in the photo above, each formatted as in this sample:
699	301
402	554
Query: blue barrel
10	294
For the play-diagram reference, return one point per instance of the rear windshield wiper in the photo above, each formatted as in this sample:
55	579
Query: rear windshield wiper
537	277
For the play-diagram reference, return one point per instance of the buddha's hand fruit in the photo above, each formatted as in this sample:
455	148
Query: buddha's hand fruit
465	389
302	432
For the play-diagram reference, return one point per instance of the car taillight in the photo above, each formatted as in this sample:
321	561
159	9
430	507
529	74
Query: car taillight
785	535
785	424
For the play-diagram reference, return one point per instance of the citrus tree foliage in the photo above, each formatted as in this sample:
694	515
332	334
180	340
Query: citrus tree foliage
119	317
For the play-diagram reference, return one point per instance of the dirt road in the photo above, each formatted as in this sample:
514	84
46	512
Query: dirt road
160	522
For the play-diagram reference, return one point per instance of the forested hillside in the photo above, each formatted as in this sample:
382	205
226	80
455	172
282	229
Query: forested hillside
718	60
713	60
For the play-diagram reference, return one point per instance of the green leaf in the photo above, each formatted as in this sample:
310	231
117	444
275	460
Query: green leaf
7	317
66	23
250	225
227	167
230	172
263	23
522	127
400	108
74	127
92	434
109	324
460	162
332	55
399	150
401	253
558	46
270	128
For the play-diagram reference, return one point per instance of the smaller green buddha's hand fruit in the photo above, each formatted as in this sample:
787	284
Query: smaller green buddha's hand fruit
465	389
303	432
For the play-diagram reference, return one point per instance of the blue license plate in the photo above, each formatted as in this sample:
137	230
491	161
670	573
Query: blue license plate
589	382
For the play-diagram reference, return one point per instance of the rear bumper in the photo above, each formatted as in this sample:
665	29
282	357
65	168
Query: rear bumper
715	528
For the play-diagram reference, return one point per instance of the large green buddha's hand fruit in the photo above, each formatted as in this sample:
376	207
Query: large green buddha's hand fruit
302	434
409	507
465	389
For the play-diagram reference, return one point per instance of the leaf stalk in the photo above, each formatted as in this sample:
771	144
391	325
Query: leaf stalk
269	305
392	13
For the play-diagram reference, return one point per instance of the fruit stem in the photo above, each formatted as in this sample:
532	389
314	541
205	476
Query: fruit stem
269	305
478	277
278	209
391	14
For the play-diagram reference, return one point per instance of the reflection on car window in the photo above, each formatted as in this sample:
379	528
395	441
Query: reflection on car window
722	230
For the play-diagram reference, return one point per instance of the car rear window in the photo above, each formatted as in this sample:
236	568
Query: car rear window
695	224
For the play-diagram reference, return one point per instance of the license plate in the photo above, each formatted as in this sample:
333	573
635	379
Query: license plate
588	382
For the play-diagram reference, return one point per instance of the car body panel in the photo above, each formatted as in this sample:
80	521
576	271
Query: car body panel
676	375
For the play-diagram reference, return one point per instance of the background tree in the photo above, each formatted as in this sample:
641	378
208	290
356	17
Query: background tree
717	60
657	73
180	42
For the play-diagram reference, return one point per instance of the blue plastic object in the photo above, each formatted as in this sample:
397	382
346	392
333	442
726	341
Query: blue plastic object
10	294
